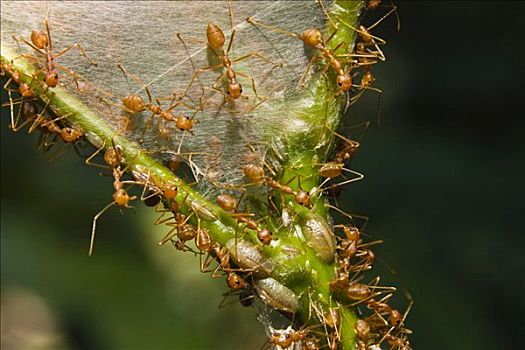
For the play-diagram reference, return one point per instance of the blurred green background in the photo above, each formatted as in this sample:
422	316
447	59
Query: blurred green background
442	188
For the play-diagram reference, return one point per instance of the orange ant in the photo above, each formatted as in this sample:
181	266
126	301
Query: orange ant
113	159
366	39
229	203
222	256
255	173
312	37
215	41
133	103
41	42
182	229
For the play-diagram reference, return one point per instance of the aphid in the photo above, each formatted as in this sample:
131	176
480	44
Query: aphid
248	257
319	237
216	41
202	211
120	195
41	42
277	295
358	291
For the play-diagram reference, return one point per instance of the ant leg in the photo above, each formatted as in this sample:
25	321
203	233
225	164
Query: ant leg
195	74
258	23
93	229
253	84
358	178
40	117
88	161
258	55
307	70
394	9
216	87
18	40
169	235
327	14
81	51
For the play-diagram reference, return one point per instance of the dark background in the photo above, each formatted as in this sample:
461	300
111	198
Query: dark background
442	189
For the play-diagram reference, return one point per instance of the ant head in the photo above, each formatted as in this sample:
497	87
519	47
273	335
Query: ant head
121	197
39	39
234	90
112	157
70	134
302	198
134	103
344	81
265	236
215	36
170	191
235	281
351	232
395	317
183	123
360	48
312	37
25	90
51	78
368	78
364	34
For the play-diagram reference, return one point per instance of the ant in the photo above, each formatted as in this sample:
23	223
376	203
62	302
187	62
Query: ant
222	256
113	159
133	103
255	173
312	37
216	41
367	39
184	231
230	204
41	42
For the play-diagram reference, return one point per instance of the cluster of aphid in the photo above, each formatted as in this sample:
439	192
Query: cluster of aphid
243	259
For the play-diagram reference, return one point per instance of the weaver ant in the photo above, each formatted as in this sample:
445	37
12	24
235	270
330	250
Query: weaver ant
216	41
41	42
113	159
